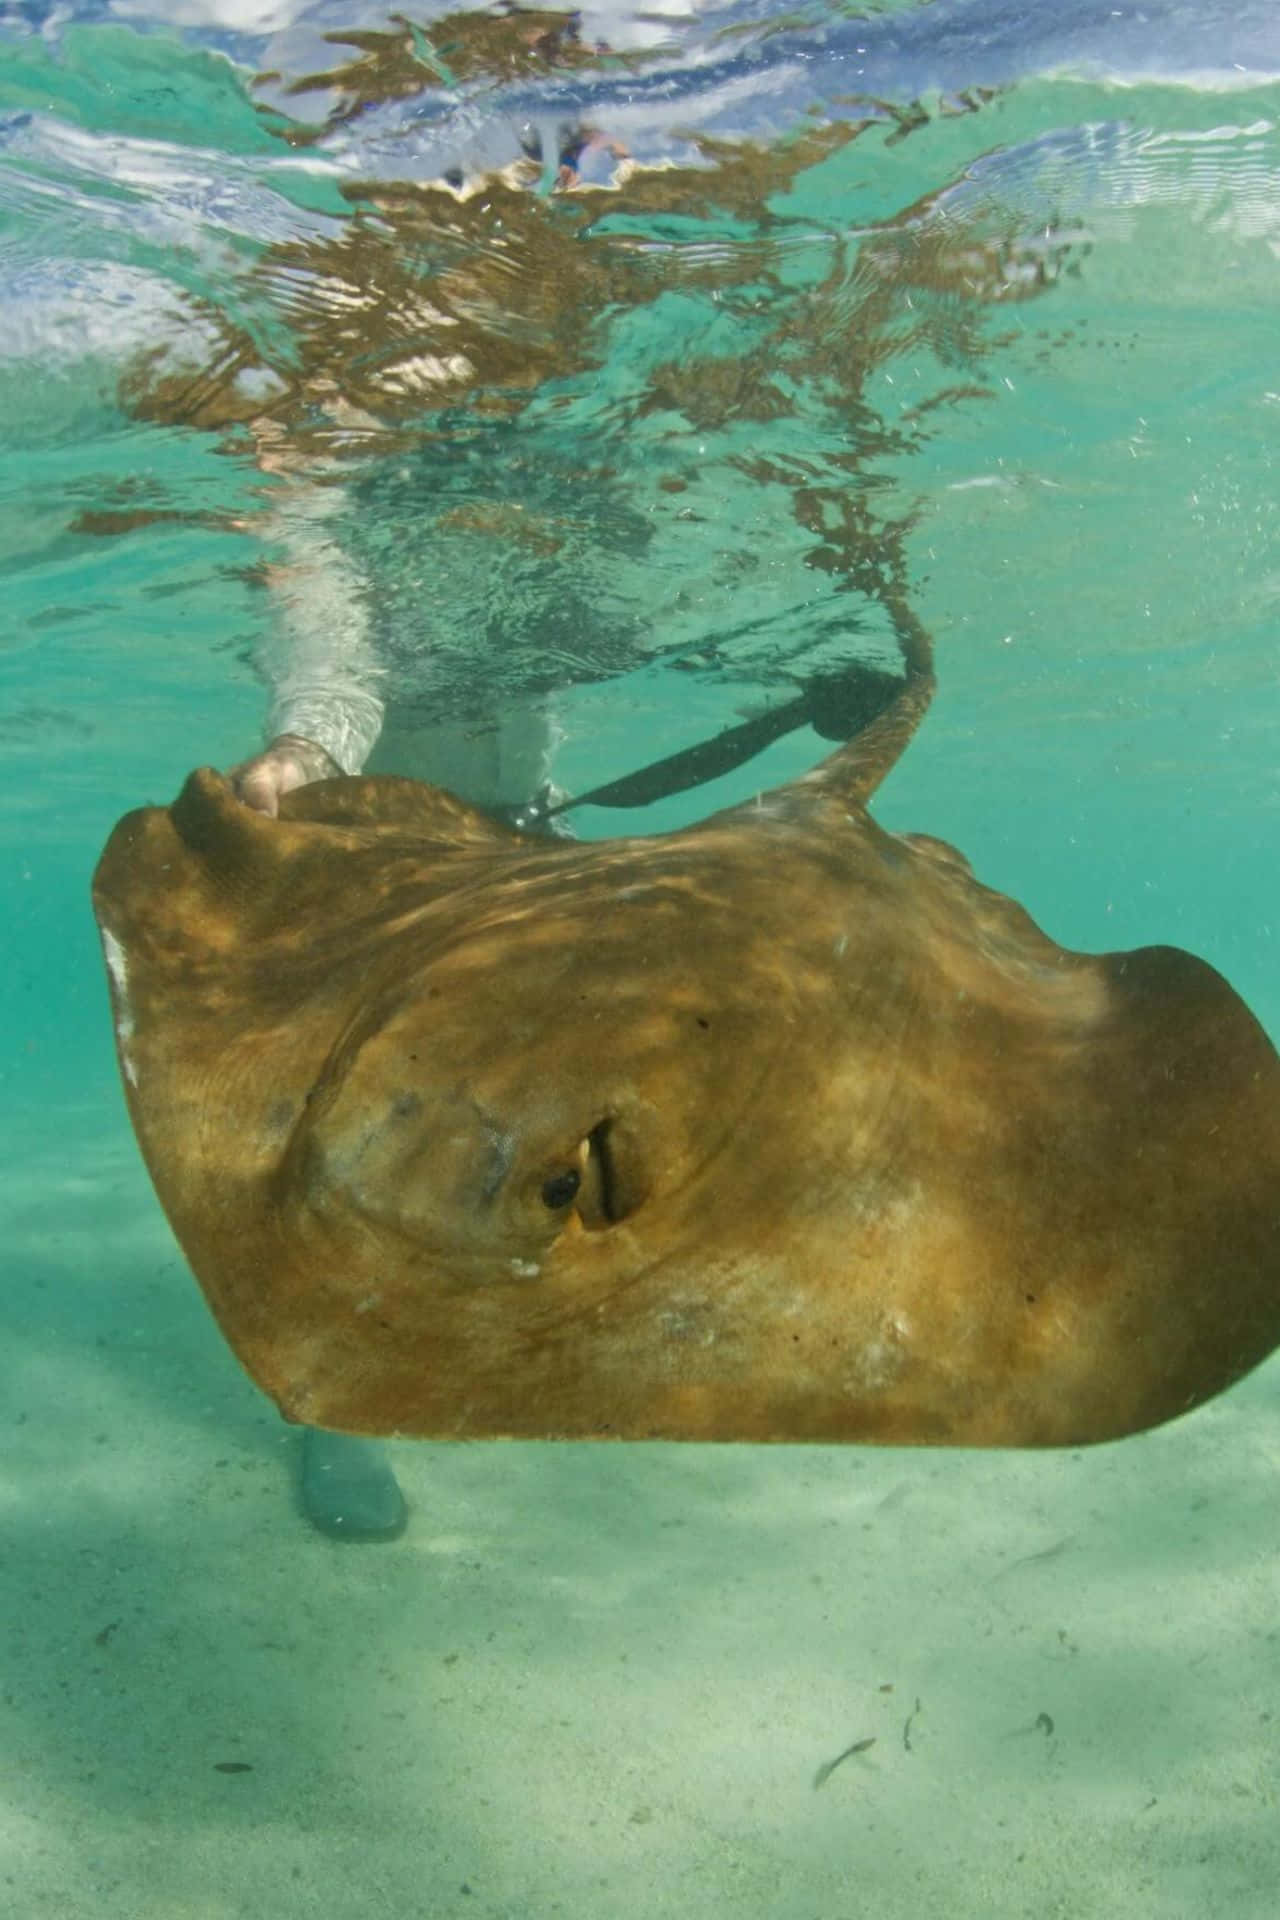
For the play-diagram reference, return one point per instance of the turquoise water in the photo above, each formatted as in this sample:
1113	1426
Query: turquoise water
985	296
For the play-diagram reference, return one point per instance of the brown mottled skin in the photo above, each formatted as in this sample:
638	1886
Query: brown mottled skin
860	1153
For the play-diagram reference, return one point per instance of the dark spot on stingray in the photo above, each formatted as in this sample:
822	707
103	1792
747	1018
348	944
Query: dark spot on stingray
703	1022
561	1188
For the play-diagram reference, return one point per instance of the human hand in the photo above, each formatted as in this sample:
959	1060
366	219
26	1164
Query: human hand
289	762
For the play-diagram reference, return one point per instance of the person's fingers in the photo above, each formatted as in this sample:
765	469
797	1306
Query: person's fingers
288	762
256	784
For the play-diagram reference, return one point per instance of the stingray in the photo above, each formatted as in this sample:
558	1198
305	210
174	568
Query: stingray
780	1127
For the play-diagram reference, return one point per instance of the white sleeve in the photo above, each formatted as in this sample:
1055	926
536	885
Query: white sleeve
319	659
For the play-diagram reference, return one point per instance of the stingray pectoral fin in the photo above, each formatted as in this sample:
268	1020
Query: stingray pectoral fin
388	804
1187	1099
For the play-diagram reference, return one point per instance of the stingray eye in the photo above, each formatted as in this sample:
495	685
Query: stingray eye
561	1188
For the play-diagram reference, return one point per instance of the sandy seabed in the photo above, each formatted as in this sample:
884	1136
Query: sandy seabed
598	1681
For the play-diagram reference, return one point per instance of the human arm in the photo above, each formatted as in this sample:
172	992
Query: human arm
318	657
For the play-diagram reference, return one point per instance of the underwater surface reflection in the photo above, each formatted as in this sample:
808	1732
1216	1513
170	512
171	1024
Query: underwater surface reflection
527	398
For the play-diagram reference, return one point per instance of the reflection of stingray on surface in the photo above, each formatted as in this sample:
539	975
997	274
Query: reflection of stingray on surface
444	374
524	434
780	1127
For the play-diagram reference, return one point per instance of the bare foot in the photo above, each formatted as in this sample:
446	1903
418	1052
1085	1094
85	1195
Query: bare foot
348	1489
